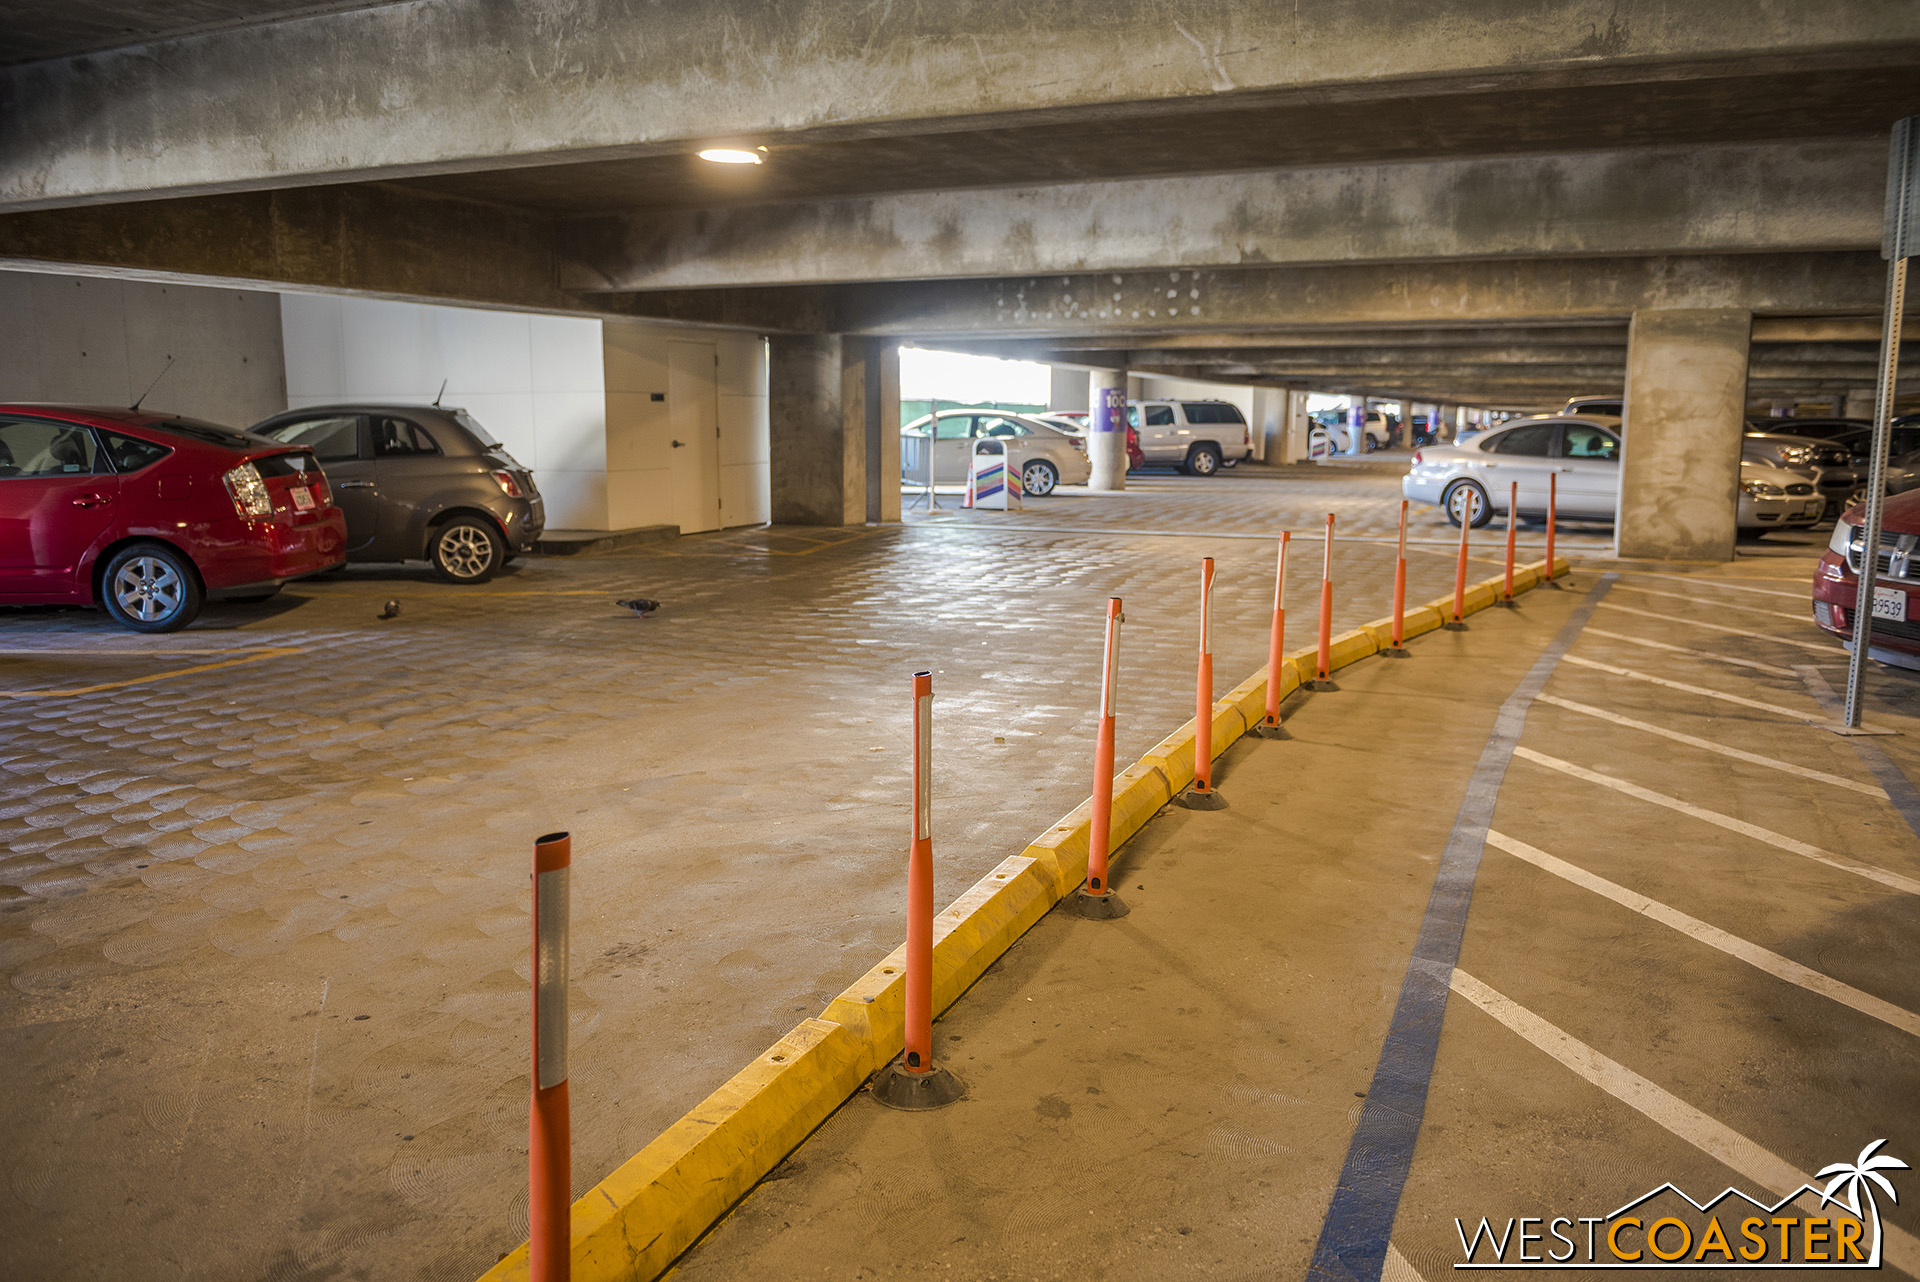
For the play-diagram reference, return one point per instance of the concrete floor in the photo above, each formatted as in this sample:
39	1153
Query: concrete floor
264	923
1173	1095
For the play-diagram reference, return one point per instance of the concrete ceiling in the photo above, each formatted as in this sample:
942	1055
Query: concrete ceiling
1211	136
31	30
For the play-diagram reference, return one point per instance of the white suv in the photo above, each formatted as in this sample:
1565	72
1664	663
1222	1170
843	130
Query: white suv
1199	436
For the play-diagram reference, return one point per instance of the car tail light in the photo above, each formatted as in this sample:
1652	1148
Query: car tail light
1416	458
250	497
508	486
322	492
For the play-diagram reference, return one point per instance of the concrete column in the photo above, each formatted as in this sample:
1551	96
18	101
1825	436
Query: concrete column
1107	449
870	403
1268	422
1068	390
1356	425
1293	428
1686	408
818	467
1859	404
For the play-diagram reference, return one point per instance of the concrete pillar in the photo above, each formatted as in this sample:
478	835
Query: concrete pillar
1686	407
1268	422
1294	429
1068	390
870	403
1356	425
1107	430
818	466
1858	404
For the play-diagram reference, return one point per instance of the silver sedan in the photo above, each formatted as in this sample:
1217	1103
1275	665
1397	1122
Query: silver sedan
1473	481
1046	456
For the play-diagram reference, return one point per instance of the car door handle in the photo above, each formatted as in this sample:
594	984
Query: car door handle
91	500
679	445
353	485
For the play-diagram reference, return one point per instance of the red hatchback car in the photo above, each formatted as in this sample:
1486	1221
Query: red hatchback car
148	515
1896	593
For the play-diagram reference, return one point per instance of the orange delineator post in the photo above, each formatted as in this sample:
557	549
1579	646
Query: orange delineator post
1100	827
1513	513
1553	495
549	1127
1468	510
1277	639
1203	687
1398	650
919	978
1326	611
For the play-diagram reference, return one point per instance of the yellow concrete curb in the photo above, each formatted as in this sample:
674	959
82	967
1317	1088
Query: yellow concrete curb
638	1220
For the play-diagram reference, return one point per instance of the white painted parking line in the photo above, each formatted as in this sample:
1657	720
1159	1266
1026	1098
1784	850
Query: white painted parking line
1716	1139
1721	695
1721	583
1755	664
1805	616
1772	763
1712	936
1815	646
1779	841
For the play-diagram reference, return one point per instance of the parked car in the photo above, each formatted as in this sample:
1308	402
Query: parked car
1071	424
1772	498
1894	636
1588	406
1199	437
1472	481
1047	456
1819	429
420	482
1333	425
1834	474
149	515
1136	457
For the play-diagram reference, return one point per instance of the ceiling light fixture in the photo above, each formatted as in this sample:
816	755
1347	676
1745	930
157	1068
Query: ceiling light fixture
731	156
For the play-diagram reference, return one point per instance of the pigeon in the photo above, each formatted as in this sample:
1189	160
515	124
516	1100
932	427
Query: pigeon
640	605
391	612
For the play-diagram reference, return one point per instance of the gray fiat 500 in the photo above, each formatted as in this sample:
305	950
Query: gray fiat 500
419	482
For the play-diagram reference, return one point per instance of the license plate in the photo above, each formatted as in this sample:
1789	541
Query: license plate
1890	604
303	501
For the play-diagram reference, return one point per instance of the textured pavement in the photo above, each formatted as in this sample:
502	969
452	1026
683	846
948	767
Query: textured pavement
263	897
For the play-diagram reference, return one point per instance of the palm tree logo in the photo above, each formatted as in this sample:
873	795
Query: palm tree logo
1858	1177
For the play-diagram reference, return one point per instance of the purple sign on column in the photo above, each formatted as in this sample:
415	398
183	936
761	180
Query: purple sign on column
1110	415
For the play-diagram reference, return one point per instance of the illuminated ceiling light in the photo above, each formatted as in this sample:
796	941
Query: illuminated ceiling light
731	156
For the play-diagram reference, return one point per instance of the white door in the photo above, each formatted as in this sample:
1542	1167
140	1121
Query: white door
1589	475
693	423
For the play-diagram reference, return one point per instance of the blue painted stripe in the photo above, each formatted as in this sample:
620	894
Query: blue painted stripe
1359	1223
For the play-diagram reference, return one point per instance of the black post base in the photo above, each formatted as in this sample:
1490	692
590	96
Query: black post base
1319	684
1507	603
1194	799
1396	652
1261	730
1106	907
895	1087
1455	626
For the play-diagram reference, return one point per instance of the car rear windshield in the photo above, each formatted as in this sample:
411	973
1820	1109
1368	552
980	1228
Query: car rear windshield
208	433
1212	412
480	433
298	463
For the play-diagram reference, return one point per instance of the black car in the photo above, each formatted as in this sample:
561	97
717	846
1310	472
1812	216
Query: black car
419	482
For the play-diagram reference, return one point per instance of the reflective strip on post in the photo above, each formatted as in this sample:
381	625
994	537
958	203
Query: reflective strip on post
1110	682
1206	605
922	756
551	908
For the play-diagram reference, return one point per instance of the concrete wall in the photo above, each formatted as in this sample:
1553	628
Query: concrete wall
95	341
571	397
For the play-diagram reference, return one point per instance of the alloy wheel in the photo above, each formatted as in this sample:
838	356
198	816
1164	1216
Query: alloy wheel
148	589
465	551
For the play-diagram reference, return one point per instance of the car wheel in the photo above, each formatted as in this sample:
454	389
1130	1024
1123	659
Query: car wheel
1203	460
466	549
149	587
1372	444
1460	495
1039	478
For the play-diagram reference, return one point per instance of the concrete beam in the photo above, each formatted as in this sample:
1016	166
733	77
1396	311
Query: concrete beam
364	240
1673	200
465	85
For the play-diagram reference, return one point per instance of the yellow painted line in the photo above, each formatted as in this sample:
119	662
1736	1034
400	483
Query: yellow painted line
1803	616
1707	745
1714	1138
1728	584
277	653
1713	937
1650	644
1832	648
1779	841
1721	695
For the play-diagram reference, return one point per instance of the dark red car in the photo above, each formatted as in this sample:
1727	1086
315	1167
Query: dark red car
148	515
1896	620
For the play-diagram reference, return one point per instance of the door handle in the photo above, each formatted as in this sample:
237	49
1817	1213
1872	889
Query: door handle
679	444
353	485
91	500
